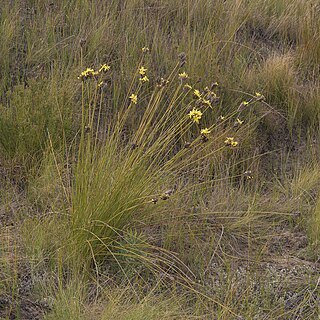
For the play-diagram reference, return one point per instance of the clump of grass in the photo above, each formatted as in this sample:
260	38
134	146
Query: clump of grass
277	78
116	180
24	128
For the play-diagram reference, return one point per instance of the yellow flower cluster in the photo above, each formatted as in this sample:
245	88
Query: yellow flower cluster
207	97
183	77
244	103
144	79
91	73
205	135
86	74
205	131
203	99
259	96
206	102
134	98
197	94
195	115
231	142
142	71
143	75
104	68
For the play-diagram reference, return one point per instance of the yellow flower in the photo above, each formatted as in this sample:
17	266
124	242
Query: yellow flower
244	103
89	70
134	98
259	96
183	76
222	117
205	131
231	142
206	102
88	73
238	121
142	71
144	79
145	49
197	93
195	115
104	68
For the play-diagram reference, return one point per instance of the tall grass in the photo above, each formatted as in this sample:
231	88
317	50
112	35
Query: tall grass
121	178
135	193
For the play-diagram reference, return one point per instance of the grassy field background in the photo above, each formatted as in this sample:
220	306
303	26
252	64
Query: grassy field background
159	159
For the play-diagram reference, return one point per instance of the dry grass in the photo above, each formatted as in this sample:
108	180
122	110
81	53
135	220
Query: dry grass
99	194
